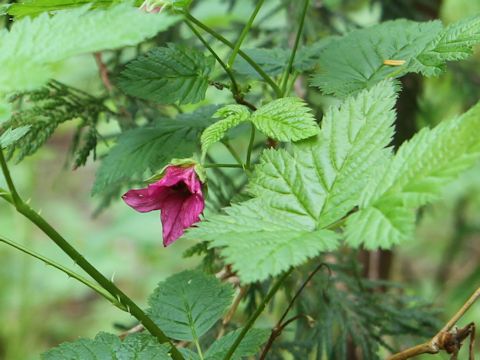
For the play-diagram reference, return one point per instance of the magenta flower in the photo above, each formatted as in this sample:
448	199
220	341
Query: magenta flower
178	195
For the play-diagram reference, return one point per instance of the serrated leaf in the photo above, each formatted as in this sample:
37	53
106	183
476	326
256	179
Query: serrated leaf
256	255
232	116
321	180
415	176
355	62
188	304
152	147
455	42
285	119
11	135
36	7
32	47
110	347
249	346
166	75
300	193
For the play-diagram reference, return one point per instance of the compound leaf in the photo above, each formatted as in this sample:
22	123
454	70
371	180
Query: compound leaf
298	194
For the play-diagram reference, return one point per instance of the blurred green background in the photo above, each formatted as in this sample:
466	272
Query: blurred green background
40	307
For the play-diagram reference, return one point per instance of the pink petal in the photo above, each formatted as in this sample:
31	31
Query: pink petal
179	212
176	174
147	199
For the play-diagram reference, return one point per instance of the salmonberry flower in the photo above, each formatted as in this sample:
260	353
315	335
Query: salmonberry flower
179	197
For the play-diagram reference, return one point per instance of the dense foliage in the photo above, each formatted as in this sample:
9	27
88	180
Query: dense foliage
287	148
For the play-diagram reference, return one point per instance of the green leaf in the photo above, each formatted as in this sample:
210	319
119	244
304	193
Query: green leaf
258	246
4	9
110	347
300	193
274	61
415	176
152	147
168	75
355	62
11	135
286	119
249	346
40	43
455	42
188	304
36	7
321	181
233	115
189	354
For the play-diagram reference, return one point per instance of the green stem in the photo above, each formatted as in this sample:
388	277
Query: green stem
199	349
223	165
244	33
235	89
247	58
250	147
8	178
256	314
101	291
132	308
232	151
295	47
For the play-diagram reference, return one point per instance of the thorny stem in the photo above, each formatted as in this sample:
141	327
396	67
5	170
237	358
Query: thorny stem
131	307
247	58
278	328
295	47
244	33
101	291
433	346
257	313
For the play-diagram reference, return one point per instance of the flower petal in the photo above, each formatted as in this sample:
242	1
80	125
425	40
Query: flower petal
176	174
192	208
147	199
172	228
179	212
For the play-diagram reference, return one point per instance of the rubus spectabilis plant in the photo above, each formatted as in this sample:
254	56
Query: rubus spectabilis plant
305	186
